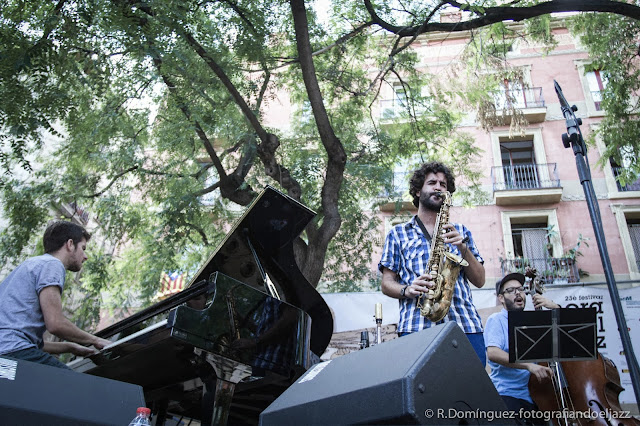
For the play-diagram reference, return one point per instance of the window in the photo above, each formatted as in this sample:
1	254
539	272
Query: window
399	178
394	107
628	220
631	188
620	169
510	94
519	164
616	189
597	81
593	83
531	240
617	172
634	235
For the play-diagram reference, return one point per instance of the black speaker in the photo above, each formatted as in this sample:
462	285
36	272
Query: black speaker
430	377
35	394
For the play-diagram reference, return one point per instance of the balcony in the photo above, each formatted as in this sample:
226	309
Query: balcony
634	186
551	270
530	101
526	184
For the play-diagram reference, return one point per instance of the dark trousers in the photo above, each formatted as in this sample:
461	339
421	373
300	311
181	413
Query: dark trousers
36	355
525	411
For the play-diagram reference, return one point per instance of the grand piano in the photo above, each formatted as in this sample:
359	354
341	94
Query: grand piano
247	326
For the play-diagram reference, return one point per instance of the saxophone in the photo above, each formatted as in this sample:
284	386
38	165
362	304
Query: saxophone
444	266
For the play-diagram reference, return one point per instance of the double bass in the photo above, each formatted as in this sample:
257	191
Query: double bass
589	389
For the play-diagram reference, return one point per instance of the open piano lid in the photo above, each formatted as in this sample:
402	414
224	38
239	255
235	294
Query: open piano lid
261	241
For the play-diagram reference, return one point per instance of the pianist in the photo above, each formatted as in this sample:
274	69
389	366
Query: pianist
30	301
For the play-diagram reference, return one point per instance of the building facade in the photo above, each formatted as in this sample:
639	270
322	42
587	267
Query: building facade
537	214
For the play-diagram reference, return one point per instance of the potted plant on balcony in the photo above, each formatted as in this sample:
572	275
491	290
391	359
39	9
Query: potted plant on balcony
570	257
520	264
561	276
548	275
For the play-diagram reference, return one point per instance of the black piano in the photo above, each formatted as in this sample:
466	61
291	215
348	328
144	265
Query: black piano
247	326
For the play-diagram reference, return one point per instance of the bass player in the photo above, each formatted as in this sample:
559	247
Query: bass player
512	379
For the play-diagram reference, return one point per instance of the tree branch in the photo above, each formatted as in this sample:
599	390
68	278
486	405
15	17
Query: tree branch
110	184
337	157
492	15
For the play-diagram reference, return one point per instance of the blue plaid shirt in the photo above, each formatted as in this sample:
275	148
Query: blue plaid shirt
277	355
406	252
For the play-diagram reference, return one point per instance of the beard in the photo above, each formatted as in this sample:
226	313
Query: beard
510	305
426	201
75	267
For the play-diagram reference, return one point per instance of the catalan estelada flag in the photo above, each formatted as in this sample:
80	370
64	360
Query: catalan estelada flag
170	283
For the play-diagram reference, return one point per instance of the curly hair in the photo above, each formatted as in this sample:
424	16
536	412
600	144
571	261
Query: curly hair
417	180
61	231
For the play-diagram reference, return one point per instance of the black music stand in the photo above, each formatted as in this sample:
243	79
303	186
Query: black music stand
565	334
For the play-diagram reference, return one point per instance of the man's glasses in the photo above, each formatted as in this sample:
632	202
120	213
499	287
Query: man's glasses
512	290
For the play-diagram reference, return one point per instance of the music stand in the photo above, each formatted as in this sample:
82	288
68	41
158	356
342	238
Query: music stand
565	334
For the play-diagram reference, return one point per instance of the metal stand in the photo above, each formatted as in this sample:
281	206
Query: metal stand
573	138
553	336
565	334
228	374
378	316
556	371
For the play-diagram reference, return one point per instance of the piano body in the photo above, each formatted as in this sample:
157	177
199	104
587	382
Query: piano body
244	330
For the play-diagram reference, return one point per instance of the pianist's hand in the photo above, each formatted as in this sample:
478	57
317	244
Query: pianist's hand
100	343
80	350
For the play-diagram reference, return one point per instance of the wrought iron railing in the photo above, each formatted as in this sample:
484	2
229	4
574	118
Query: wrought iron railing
519	98
633	186
551	270
525	176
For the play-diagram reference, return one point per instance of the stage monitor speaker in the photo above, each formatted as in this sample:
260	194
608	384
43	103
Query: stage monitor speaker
36	394
430	377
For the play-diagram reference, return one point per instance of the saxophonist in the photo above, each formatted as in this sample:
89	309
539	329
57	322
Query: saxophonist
407	248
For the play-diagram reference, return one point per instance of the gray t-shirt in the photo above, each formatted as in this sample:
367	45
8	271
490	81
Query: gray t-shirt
21	319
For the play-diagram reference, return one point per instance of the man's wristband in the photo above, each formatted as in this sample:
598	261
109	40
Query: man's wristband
404	289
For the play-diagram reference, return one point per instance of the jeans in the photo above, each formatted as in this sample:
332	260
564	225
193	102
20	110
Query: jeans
519	406
36	355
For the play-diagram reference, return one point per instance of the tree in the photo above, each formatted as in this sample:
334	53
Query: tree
612	42
159	108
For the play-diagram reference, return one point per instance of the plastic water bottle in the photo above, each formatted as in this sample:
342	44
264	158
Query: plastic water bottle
142	417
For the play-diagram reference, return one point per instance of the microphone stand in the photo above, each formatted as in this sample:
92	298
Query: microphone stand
378	317
573	138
